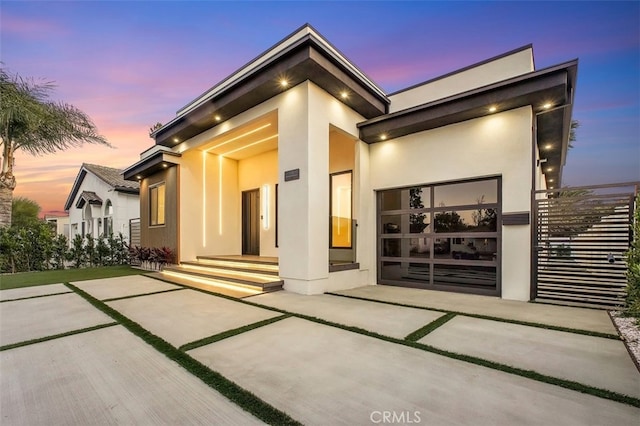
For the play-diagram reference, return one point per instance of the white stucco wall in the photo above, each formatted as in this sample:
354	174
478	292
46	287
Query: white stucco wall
491	72
125	207
208	227
495	145
307	114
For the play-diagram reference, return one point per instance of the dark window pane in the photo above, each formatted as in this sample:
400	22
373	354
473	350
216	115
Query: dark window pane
390	270
464	275
460	194
391	224
391	247
391	200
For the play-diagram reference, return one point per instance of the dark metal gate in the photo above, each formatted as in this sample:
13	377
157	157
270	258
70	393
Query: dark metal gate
581	236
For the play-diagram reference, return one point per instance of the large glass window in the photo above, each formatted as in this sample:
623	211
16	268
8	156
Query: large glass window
157	204
442	236
341	210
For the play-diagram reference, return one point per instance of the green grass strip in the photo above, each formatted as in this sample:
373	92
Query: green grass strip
421	332
36	297
230	333
30	279
56	336
131	296
243	398
529	374
491	318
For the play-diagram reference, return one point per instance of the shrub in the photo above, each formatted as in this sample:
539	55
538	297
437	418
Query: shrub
76	253
632	304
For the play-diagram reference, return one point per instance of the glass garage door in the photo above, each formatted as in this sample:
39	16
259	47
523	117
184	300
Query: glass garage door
441	236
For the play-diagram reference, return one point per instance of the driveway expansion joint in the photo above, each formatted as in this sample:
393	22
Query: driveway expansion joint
56	336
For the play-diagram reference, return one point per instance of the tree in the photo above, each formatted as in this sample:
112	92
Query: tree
573	132
24	212
30	121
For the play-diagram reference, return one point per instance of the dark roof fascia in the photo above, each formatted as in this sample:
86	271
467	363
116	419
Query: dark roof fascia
127	190
306	59
74	189
467	68
150	165
468	105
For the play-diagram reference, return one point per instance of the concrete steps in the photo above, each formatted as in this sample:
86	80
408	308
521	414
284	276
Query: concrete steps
248	272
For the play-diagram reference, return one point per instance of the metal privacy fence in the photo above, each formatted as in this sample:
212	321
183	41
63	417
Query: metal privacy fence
134	232
581	236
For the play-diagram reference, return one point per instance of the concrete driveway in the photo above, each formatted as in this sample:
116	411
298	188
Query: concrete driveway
322	360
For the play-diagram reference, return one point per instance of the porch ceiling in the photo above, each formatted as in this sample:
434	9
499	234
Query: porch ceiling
261	135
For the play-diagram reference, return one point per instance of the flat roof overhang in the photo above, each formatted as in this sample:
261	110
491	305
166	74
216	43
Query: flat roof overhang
306	60
552	86
150	165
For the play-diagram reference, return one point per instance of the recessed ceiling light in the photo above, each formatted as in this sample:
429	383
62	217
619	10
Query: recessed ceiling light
176	140
493	109
165	165
284	82
549	169
217	118
383	137
550	180
547	105
344	94
551	187
138	177
548	146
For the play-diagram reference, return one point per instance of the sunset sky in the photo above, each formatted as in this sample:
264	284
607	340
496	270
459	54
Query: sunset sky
132	64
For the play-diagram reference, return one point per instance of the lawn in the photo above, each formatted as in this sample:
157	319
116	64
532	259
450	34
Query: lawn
28	279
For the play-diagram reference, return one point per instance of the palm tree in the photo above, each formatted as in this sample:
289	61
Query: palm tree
30	121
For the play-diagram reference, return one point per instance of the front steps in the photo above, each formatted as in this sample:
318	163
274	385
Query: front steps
243	275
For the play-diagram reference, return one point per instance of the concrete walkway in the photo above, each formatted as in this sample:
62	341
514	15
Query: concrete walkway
317	373
560	316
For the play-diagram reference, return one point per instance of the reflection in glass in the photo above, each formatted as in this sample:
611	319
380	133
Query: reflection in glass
341	210
420	247
465	275
465	248
467	193
477	220
419	223
391	224
419	198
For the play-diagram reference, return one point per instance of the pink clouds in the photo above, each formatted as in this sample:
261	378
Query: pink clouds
31	28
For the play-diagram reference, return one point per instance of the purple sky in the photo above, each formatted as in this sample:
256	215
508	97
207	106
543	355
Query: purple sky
132	64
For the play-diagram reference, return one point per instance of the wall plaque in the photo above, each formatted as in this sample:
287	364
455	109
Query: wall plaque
291	175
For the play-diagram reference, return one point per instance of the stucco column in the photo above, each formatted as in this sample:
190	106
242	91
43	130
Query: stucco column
303	202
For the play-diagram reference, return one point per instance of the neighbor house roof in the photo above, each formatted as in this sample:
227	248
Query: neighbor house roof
109	175
88	197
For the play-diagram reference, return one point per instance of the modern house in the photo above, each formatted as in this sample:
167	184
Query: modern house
101	202
300	158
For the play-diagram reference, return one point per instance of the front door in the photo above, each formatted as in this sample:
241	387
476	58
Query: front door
251	222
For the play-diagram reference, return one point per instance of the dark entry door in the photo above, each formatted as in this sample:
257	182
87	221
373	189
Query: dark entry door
251	222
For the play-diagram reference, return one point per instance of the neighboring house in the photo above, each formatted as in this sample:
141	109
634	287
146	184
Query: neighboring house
300	156
102	202
59	223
